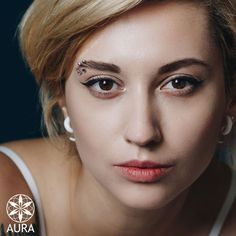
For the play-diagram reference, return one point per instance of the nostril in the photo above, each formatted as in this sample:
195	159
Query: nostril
142	128
150	142
152	145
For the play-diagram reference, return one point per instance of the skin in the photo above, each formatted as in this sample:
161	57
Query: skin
15	184
143	117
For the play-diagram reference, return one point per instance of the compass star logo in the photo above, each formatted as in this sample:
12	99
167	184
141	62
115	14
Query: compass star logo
20	208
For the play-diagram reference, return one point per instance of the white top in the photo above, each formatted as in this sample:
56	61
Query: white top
215	231
30	182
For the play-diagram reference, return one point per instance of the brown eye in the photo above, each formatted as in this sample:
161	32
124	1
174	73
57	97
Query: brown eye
104	87
179	84
106	84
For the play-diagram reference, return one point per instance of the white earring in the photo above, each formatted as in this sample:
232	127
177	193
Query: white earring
68	127
229	125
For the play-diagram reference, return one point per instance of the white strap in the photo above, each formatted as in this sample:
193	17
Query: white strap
225	208
30	181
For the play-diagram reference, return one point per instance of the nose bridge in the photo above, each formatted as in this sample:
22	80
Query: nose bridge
142	123
142	110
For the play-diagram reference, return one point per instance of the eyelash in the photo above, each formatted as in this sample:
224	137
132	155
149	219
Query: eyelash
190	80
103	93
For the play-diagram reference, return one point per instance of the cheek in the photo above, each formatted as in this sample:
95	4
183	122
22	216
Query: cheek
192	125
94	123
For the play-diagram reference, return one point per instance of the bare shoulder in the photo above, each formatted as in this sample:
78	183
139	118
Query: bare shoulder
38	154
42	157
54	172
11	183
41	147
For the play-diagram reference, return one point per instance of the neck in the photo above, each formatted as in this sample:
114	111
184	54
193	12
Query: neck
99	213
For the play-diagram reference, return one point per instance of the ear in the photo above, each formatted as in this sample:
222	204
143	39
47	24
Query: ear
62	105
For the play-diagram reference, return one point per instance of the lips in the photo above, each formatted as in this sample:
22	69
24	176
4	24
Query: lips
143	171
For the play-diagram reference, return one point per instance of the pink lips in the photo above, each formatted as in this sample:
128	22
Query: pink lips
143	171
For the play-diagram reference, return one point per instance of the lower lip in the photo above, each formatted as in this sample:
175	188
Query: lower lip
143	175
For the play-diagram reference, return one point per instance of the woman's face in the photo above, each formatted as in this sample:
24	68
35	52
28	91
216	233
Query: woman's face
162	101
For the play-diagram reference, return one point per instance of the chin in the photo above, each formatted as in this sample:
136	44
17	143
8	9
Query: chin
144	197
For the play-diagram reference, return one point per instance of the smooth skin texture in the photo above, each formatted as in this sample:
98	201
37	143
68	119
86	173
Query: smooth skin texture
143	108
148	111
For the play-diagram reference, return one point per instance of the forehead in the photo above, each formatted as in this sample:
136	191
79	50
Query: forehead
165	30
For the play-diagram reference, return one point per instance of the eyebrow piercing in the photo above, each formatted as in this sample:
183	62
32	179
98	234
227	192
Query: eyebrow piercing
81	67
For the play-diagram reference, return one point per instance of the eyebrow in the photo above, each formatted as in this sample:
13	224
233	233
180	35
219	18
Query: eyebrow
173	66
103	66
168	68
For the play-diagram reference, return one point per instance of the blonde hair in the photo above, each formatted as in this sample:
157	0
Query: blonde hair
52	31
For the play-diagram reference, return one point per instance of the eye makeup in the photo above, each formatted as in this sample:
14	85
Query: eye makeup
177	85
181	85
103	87
83	65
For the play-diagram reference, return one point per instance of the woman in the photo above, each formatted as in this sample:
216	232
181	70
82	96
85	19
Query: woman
142	93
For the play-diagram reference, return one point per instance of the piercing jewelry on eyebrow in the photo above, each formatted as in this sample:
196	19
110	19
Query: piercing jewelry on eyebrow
81	67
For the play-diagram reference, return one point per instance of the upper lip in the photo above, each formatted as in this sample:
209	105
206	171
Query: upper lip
143	164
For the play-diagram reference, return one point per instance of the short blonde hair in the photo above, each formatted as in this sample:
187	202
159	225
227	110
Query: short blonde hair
52	31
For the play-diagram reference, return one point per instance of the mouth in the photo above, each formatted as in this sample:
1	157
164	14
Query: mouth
143	171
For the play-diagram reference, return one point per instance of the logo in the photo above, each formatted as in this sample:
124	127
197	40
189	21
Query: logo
20	208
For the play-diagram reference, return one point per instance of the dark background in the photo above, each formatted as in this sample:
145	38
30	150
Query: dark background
20	112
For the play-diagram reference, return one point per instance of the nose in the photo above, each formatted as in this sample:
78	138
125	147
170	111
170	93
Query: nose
142	127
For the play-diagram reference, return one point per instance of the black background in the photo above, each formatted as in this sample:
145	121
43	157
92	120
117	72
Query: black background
20	112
